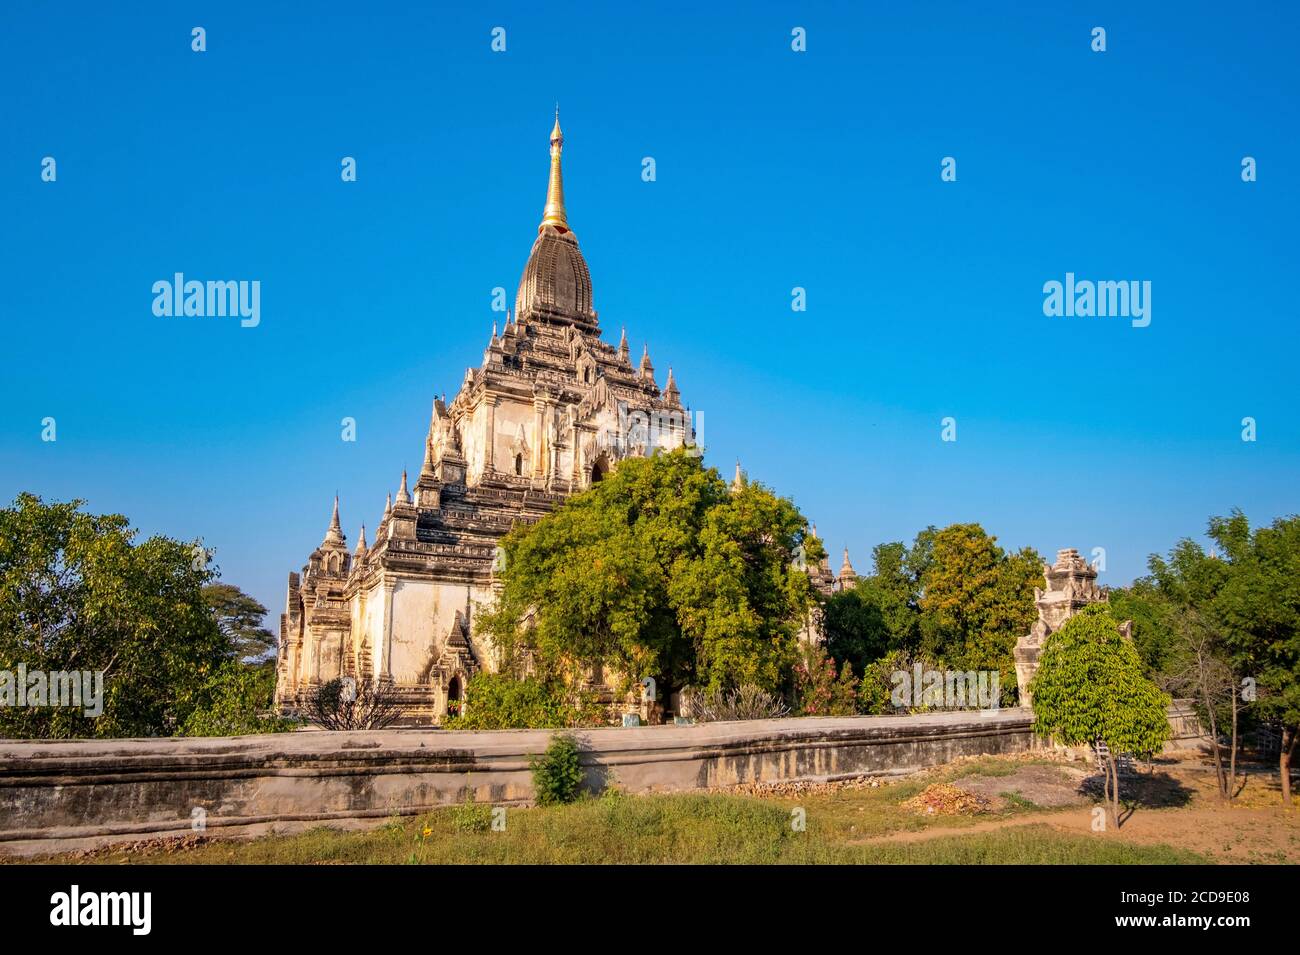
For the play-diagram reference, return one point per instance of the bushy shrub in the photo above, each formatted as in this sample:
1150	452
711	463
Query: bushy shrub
876	691
557	774
822	691
238	699
495	701
749	702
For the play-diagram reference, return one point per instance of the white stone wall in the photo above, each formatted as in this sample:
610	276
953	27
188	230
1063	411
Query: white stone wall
419	609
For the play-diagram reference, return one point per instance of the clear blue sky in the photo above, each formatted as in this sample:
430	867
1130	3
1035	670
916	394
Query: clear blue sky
775	169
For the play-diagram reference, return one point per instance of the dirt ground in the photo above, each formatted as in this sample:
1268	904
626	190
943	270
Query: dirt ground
1174	802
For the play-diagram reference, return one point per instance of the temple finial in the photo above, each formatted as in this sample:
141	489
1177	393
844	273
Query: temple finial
335	532
553	215
847	575
403	495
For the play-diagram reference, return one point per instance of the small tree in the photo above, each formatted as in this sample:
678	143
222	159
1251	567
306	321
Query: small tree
354	705
1090	690
1199	666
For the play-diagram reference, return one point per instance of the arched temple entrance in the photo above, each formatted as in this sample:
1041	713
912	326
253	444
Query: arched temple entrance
454	703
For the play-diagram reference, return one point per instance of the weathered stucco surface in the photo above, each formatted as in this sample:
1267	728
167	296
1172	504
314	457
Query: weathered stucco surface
71	794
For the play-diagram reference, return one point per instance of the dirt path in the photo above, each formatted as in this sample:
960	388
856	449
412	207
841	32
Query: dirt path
1225	834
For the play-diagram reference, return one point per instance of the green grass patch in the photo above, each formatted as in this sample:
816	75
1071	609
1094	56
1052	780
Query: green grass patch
679	828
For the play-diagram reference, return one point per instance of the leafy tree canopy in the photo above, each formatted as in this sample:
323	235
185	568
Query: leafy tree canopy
1090	688
240	617
659	570
954	597
77	592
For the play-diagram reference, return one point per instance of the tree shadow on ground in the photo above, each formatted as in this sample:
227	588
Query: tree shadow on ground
1140	790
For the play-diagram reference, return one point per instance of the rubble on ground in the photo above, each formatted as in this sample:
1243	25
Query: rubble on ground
944	799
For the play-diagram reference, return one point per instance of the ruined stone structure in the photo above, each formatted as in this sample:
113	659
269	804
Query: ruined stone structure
549	410
1071	586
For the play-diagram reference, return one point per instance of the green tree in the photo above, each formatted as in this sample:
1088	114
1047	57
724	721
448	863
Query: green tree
1247	594
1090	690
882	692
741	600
1155	621
1257	604
658	570
976	600
496	701
77	592
878	614
240	619
1198	665
237	701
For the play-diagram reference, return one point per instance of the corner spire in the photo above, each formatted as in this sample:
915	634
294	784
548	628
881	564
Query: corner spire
403	495
672	396
553	215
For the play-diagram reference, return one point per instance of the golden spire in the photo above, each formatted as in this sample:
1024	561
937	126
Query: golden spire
553	214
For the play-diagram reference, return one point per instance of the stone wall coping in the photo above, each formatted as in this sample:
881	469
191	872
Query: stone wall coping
38	757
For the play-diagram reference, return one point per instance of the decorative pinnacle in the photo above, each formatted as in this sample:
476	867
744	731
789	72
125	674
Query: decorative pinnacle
335	533
403	495
553	215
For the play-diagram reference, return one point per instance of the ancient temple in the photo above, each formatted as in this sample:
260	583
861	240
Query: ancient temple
549	410
1071	586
